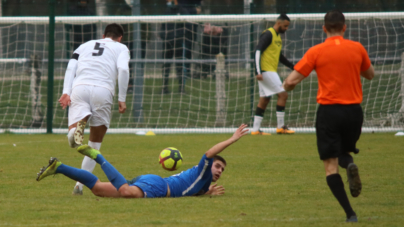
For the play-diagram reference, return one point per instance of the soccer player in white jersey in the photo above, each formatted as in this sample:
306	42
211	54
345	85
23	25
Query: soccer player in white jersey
89	88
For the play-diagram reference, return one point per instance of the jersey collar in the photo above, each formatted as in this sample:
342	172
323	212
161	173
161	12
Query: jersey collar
334	38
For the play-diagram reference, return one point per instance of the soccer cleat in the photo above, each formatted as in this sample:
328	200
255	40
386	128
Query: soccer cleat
284	130
88	151
259	132
79	133
77	191
353	218
355	184
54	163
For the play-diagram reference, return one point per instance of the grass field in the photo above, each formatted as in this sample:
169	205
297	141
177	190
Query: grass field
269	181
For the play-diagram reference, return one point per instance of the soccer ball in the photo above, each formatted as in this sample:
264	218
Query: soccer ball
170	159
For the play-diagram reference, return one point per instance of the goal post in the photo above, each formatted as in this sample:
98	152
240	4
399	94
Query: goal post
220	91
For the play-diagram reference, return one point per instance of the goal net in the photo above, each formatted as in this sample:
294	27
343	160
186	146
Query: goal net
193	73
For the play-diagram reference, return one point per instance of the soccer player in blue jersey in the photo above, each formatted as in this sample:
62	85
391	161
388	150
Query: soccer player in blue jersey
194	181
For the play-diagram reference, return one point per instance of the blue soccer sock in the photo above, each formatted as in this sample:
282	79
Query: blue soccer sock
113	175
80	175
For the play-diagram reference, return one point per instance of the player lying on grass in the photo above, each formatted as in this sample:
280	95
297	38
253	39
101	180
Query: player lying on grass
194	181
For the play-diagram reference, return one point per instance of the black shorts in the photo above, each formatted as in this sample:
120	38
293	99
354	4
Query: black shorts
338	128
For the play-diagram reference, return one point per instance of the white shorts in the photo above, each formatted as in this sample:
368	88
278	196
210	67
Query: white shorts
270	85
91	100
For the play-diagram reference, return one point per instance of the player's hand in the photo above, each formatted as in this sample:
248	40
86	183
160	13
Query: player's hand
214	189
122	107
64	101
259	77
240	132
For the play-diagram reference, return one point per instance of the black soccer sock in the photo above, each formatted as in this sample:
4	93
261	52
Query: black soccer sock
280	108
344	160
259	112
336	185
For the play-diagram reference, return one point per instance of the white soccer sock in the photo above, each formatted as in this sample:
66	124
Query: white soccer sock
280	116
88	163
70	137
257	123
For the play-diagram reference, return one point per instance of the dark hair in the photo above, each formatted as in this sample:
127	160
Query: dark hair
334	21
113	31
283	17
220	158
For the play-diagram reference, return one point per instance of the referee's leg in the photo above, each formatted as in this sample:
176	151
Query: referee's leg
328	123
336	185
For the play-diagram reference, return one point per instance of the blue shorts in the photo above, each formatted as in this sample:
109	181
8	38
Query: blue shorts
153	186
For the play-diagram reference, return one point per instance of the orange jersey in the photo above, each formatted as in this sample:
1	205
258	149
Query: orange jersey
338	63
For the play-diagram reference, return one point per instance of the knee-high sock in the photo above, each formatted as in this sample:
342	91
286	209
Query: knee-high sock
336	185
259	115
83	176
113	175
280	116
88	163
70	137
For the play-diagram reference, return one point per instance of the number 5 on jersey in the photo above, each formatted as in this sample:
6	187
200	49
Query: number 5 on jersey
99	49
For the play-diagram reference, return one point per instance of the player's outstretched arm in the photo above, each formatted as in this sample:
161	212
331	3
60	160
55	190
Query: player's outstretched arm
240	132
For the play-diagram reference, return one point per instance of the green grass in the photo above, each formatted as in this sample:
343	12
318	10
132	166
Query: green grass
270	181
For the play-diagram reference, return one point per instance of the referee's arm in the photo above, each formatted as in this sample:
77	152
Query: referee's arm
263	43
292	80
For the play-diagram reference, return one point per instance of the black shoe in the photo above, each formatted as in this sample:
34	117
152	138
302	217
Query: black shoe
355	184
356	151
353	218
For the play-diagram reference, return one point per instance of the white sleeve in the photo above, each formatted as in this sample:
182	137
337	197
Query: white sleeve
258	62
123	74
69	76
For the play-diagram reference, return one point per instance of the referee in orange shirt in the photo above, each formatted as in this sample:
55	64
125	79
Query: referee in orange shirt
339	63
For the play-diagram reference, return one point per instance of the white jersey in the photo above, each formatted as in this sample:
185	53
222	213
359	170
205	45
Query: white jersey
98	63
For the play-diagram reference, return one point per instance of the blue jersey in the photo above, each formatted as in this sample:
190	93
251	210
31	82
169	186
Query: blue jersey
194	181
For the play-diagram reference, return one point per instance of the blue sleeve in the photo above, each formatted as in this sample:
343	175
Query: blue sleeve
205	166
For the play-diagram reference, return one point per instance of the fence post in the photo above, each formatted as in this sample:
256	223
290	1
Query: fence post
138	78
51	56
402	83
35	84
220	73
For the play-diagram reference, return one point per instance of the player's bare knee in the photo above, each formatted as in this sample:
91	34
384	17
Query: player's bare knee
283	95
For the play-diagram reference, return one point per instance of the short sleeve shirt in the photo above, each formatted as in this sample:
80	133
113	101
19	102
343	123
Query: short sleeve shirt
194	181
99	62
338	63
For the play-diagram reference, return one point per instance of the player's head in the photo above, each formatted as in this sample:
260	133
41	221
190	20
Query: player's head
282	23
113	31
218	167
334	21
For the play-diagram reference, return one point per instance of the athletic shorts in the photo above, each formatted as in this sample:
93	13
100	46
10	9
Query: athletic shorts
153	186
91	100
270	85
338	128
